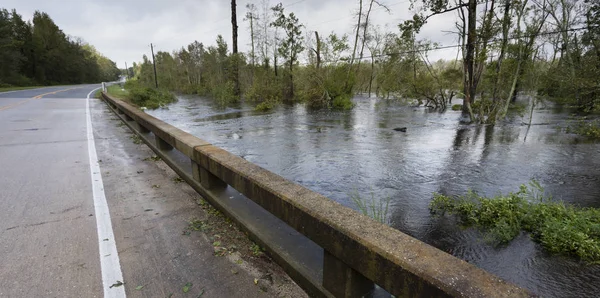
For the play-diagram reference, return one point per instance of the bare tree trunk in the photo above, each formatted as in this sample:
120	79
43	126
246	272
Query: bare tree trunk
252	39
471	88
364	38
525	52
372	74
505	26
519	62
275	61
291	96
355	44
486	35
357	32
318	51
234	27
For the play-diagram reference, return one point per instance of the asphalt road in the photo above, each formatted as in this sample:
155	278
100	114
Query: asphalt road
46	231
51	212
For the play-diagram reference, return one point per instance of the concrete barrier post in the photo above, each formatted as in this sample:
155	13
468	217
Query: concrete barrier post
206	178
341	280
161	144
103	86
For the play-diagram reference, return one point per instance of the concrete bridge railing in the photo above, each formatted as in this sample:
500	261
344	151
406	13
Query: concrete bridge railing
359	252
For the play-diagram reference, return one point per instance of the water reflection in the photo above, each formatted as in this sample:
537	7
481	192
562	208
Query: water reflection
335	153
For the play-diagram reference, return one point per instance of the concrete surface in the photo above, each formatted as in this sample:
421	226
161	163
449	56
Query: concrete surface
357	245
48	238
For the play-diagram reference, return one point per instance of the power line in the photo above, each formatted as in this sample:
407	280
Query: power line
460	45
347	17
291	4
228	18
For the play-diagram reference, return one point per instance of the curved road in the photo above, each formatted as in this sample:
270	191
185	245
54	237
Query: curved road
56	237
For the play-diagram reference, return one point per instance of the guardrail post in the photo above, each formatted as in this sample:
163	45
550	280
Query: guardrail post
103	86
119	111
142	128
341	280
206	178
161	144
128	118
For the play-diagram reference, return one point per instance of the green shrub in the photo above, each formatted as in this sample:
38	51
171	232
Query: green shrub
588	129
456	107
518	108
343	102
225	94
482	106
559	228
264	90
326	87
147	97
267	105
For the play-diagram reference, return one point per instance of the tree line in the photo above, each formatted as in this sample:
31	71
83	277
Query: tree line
548	48
38	52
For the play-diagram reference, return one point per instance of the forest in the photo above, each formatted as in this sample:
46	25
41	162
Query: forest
548	49
38	52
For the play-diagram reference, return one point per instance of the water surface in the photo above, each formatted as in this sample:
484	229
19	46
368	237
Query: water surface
337	153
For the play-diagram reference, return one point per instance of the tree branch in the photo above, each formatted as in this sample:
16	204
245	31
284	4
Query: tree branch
445	11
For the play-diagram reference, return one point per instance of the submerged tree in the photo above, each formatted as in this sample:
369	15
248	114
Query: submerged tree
468	34
292	43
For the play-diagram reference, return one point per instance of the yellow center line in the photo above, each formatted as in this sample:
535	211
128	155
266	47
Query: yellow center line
14	104
35	97
54	92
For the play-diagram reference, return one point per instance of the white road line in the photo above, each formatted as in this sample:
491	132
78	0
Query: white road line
109	258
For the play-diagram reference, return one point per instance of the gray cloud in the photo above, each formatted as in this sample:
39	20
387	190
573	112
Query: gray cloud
122	30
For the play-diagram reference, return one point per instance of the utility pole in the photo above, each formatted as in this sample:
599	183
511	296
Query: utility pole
154	63
126	71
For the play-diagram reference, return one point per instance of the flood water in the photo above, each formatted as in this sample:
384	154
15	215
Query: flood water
338	153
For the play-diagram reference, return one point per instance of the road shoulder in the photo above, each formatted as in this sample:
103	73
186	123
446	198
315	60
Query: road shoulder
169	240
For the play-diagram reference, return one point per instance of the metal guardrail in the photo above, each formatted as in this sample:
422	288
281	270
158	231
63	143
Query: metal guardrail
359	252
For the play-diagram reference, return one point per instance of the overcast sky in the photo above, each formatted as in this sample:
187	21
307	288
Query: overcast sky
122	30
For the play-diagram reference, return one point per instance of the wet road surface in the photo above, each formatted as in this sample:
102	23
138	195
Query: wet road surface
49	242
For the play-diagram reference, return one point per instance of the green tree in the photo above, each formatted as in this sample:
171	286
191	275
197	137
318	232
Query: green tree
10	56
292	44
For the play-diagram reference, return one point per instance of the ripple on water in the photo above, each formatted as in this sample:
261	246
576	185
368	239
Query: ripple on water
336	153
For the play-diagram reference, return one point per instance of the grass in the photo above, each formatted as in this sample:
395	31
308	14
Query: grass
117	91
376	209
256	249
560	228
152	158
136	139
